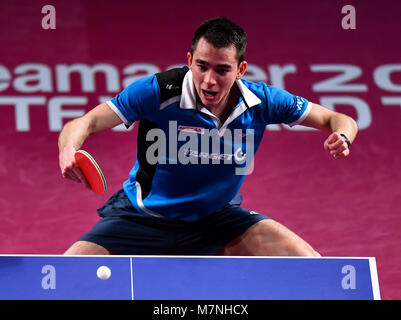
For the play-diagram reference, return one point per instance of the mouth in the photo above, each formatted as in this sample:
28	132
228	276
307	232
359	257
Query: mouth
209	94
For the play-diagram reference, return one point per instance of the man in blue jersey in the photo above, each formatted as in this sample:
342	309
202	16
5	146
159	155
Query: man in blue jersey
199	127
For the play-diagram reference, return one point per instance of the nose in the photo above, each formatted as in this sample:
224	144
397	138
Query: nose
209	78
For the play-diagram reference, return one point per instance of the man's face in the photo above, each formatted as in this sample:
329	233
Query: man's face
214	73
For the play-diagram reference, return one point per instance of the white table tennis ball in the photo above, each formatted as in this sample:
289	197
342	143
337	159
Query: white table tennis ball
103	272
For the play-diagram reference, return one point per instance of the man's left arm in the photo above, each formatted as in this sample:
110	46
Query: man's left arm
343	128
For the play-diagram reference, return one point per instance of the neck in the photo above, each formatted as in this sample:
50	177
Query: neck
224	109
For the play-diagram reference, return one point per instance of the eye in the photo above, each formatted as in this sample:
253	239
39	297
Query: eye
222	72
202	67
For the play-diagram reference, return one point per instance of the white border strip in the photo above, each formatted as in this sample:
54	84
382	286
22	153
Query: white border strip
140	203
178	256
132	279
375	279
303	116
170	102
118	112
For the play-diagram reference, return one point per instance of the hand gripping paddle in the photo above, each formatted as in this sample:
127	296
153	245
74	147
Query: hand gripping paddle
91	171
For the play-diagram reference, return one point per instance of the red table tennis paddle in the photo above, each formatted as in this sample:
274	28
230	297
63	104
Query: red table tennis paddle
91	171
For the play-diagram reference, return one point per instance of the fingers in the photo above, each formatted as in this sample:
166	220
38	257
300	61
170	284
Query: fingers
69	168
78	176
74	173
336	145
340	154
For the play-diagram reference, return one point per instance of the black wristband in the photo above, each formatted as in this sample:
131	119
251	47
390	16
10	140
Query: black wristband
346	139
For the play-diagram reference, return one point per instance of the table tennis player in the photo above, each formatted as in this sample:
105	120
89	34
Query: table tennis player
187	202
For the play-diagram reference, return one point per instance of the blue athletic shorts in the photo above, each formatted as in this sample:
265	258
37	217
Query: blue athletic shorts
124	231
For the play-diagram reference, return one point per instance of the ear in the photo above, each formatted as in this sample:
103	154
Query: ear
241	69
189	58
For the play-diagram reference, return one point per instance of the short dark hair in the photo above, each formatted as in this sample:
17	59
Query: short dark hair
221	33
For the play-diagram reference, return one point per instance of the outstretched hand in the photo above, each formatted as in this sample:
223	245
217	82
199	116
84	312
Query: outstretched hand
336	145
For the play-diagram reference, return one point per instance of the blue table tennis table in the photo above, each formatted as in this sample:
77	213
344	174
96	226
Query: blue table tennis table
57	277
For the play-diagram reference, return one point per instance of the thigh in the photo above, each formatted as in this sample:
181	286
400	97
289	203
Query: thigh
269	238
212	233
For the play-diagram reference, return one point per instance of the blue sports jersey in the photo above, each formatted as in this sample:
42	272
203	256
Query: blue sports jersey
189	164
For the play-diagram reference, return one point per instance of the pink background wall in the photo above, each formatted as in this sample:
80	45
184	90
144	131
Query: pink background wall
348	207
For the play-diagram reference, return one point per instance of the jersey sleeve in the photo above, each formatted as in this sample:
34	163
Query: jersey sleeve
285	107
137	101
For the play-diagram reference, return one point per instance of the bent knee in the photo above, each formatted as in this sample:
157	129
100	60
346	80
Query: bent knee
86	248
302	248
269	237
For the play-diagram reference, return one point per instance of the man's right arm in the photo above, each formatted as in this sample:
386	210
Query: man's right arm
76	131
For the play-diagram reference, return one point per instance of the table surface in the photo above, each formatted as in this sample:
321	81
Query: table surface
37	277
